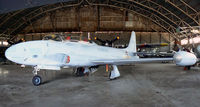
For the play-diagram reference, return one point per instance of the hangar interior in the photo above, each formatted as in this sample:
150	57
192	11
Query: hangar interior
149	84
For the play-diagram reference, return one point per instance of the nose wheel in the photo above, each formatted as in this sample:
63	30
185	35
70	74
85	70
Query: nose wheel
37	80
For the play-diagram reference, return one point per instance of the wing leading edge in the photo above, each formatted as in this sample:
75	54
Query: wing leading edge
129	61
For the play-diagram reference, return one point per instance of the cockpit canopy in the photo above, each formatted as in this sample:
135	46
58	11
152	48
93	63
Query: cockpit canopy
65	38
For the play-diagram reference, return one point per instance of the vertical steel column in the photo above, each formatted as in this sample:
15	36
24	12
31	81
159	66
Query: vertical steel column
98	18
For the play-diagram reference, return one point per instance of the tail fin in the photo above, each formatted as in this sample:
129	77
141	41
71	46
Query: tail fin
132	43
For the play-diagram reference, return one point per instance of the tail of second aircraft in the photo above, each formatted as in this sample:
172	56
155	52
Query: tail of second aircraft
132	43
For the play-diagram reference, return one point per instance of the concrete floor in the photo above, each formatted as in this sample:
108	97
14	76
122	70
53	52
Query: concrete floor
142	85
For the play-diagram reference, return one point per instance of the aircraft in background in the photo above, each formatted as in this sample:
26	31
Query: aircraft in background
151	45
108	43
84	56
145	45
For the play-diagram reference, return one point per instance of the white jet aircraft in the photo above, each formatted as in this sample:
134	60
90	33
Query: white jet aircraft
84	56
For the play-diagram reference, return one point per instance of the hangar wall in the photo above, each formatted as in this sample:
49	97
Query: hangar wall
91	18
97	18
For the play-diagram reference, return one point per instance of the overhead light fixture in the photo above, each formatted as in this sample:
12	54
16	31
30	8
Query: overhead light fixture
191	40
195	31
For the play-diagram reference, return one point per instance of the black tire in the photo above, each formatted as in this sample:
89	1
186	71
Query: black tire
189	67
37	80
109	74
80	72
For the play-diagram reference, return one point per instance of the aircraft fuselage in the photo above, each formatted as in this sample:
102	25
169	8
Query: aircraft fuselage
47	52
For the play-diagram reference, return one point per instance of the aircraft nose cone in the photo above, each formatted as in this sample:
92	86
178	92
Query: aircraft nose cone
10	52
16	53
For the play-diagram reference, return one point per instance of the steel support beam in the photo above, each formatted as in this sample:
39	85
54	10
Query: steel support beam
140	11
135	7
98	18
10	16
151	4
39	12
186	9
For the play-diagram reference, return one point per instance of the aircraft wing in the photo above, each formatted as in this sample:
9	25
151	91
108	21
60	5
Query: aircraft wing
129	61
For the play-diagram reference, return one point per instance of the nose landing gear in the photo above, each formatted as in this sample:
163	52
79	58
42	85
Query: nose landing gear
37	80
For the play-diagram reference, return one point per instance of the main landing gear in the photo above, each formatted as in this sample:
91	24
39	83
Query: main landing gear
37	80
81	71
114	74
187	67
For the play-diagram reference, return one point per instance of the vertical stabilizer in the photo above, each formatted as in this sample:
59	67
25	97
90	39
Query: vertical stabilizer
132	43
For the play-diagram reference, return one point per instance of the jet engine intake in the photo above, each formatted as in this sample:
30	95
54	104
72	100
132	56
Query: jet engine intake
56	59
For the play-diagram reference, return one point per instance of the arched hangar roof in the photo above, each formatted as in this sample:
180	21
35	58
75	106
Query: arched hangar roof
168	14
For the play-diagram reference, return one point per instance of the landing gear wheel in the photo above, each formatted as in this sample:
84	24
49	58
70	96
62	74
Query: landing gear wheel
109	74
37	80
188	67
114	74
112	78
